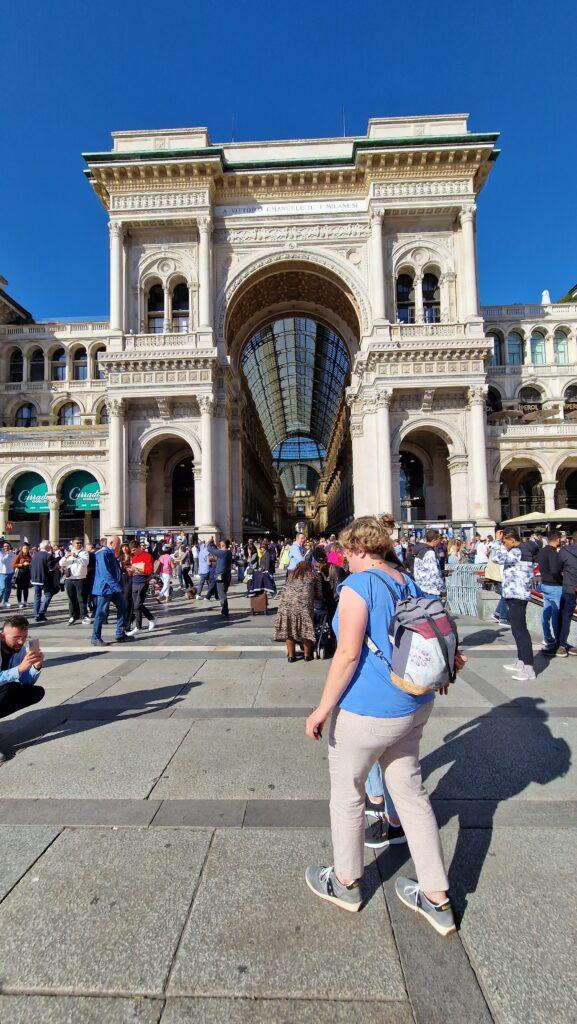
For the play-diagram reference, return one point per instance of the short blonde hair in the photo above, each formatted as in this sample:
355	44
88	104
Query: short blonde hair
367	533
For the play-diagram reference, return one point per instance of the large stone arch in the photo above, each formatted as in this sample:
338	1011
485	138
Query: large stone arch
277	261
64	471
148	439
449	433
7	480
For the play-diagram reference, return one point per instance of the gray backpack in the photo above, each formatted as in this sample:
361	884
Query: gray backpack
425	641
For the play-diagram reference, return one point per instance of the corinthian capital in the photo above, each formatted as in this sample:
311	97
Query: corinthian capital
467	214
477	396
384	399
115	406
116	229
206	404
377	217
204	224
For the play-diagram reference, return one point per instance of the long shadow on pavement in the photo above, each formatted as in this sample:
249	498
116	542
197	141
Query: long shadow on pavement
486	756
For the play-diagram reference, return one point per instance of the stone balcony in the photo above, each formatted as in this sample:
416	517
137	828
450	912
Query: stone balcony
157	342
556	311
533	370
54	329
52	439
545	431
53	386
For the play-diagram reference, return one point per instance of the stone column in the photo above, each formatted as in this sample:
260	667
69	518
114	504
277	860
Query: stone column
479	506
469	267
459	473
26	366
548	487
115	408
236	480
54	520
221	478
358	440
167	310
206	505
138	511
418	289
204	272
4	513
383	452
116	274
377	265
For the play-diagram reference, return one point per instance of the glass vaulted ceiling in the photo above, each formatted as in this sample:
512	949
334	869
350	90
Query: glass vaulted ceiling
296	370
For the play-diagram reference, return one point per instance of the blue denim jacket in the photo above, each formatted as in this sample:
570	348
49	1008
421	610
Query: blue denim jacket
107	577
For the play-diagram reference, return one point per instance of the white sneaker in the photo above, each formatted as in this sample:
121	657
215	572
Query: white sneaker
86	621
131	632
515	666
71	620
198	597
525	673
151	625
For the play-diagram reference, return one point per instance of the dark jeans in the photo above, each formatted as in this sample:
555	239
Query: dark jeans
518	615
103	603
568	600
76	594
139	592
501	610
222	589
186	581
15	696
42	598
22	586
128	604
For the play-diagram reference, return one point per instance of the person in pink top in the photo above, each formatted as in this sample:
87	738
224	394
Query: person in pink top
335	556
165	566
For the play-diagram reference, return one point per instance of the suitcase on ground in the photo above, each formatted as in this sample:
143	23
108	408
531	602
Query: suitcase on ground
259	603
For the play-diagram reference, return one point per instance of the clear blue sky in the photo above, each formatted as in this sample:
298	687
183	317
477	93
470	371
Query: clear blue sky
71	71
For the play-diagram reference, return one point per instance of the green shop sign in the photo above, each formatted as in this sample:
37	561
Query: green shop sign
80	492
29	494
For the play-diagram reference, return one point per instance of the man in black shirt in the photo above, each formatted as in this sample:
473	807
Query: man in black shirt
548	561
568	563
223	569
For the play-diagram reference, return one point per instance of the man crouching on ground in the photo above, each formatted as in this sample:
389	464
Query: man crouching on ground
19	670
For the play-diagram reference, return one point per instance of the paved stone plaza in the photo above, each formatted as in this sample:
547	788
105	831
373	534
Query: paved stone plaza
163	804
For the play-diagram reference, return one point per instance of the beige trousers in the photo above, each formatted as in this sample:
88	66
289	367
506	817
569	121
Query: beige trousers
355	743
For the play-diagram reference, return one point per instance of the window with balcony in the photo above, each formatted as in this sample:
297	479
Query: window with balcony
431	299
80	365
16	373
530	399
180	309
58	364
103	416
26	416
570	403
515	349
538	349
37	365
155	306
560	348
69	415
497	359
405	294
99	372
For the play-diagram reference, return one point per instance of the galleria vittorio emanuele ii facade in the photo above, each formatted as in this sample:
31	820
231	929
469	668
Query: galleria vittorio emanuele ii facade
294	333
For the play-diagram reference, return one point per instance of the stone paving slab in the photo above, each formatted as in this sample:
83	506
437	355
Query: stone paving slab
520	924
83	760
297	685
555	683
225	684
111	903
19	848
78	1010
246	758
255	929
283	1011
194	813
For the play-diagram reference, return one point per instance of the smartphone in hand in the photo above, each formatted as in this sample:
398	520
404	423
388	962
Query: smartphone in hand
34	646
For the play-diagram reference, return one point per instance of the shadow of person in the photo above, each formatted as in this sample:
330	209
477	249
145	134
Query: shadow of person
45	726
491	759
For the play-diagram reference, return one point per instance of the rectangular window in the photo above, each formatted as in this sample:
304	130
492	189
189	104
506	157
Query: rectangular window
156	325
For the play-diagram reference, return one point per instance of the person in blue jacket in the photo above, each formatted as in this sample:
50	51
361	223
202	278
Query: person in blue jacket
19	669
107	590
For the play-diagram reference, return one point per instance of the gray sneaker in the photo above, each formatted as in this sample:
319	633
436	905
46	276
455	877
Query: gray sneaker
439	916
324	883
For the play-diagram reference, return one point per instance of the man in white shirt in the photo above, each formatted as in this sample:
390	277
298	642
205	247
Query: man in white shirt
75	565
6	573
481	552
296	552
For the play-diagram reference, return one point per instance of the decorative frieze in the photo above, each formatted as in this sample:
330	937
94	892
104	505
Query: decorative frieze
417	189
134	201
290	233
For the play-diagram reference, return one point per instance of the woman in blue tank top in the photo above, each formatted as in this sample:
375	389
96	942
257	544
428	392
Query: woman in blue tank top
372	720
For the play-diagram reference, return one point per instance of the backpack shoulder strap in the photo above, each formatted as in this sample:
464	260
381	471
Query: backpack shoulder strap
389	587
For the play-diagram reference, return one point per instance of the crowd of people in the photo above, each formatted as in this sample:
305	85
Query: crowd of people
356	584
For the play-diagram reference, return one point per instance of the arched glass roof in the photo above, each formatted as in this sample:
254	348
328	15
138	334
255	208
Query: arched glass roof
299	478
296	370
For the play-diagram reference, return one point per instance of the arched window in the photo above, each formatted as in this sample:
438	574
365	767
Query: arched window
37	365
538	350
99	372
515	349
180	309
531	498
69	415
103	415
405	299
80	365
26	416
497	359
16	367
494	402
530	399
560	347
570	403
156	309
431	299
58	364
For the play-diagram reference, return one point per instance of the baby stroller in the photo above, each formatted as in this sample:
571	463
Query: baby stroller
324	639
